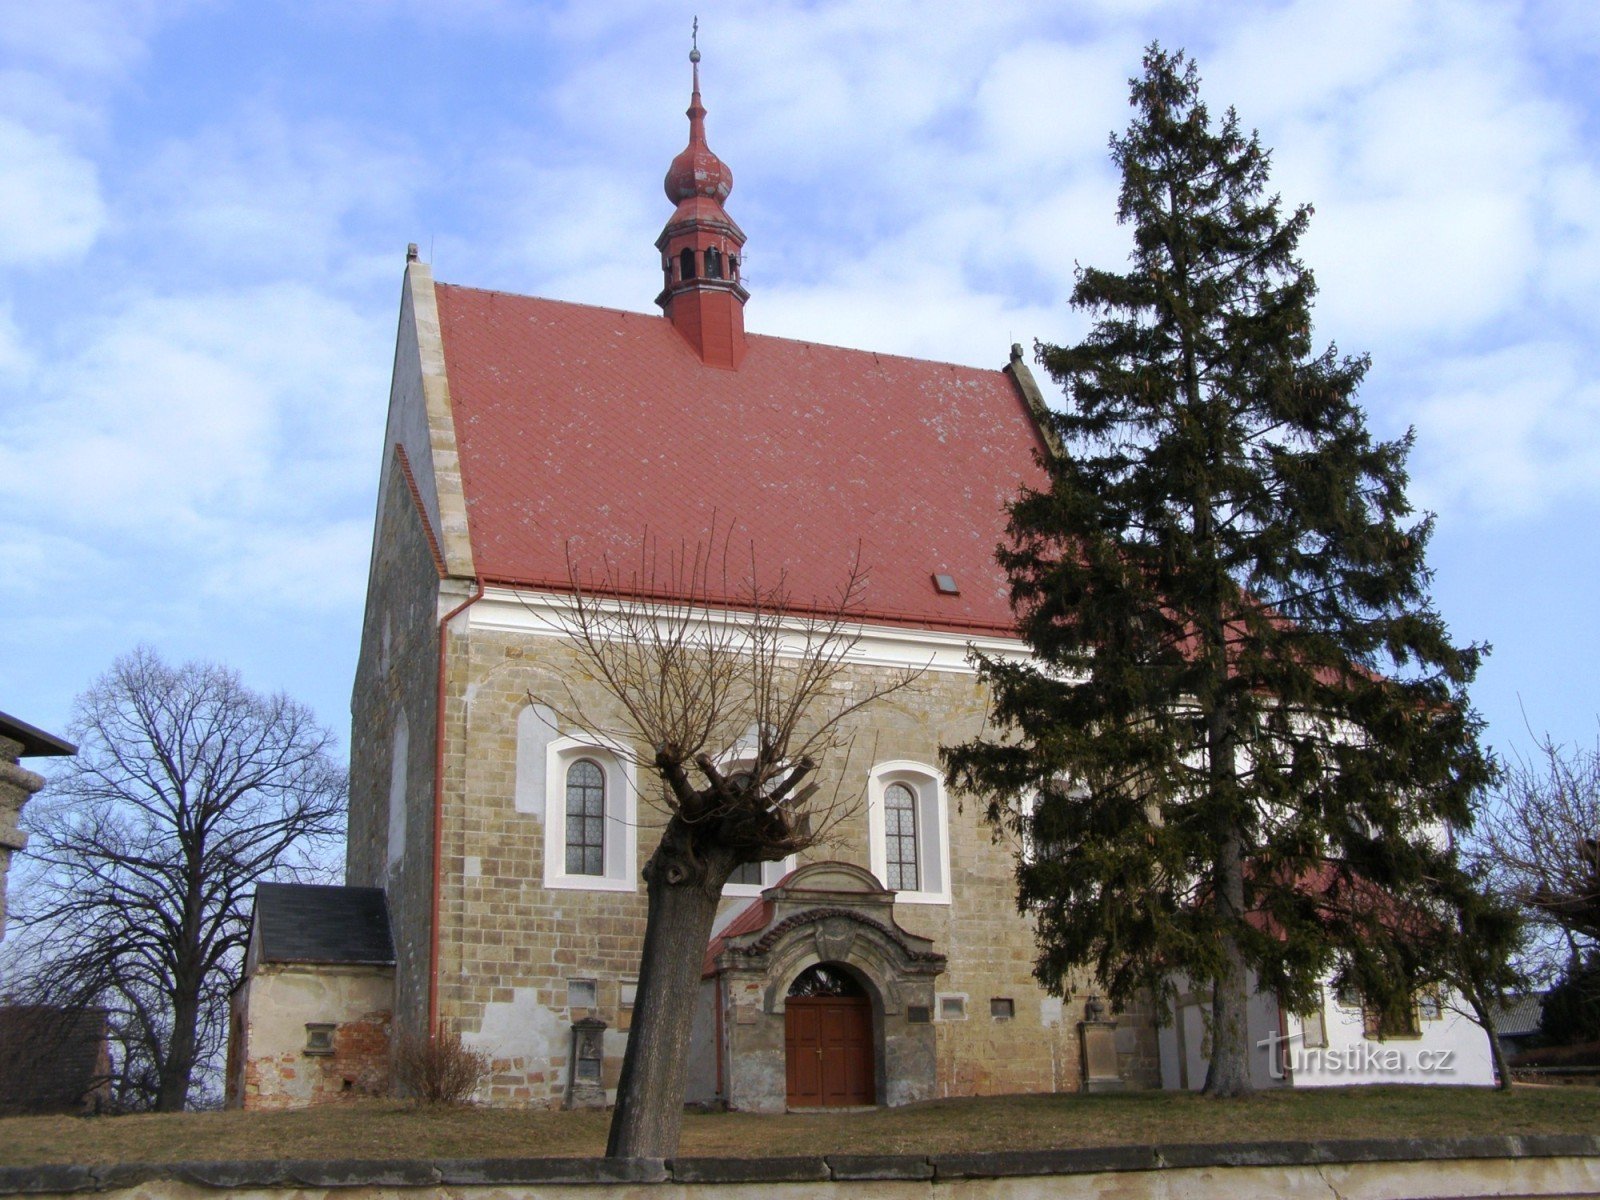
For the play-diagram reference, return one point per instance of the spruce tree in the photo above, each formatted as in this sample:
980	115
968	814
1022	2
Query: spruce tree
1243	738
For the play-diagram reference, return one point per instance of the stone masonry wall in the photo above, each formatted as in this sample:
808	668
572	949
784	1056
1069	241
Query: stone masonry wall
395	687
276	1070
511	945
17	783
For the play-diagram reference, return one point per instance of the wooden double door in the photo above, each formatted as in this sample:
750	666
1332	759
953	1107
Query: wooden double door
828	1044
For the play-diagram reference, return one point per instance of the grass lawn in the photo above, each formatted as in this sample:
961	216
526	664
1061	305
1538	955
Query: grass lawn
381	1129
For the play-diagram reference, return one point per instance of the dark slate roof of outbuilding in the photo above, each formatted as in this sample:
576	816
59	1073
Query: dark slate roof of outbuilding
302	922
1519	1016
36	743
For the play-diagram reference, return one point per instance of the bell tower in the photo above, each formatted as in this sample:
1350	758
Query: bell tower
701	247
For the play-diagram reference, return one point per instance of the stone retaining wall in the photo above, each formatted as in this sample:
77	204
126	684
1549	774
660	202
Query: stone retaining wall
1564	1165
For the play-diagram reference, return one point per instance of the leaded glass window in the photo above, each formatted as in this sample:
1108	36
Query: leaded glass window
900	836
586	818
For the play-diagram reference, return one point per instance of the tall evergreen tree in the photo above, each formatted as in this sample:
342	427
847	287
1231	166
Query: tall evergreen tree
1244	729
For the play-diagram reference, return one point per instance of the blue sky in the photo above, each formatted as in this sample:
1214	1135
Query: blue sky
204	209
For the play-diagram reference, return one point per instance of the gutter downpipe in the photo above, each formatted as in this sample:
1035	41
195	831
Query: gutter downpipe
438	811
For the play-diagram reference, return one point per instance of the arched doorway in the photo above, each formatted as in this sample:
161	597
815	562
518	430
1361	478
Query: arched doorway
828	1043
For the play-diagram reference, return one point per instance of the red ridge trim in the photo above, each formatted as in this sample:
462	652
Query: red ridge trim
422	512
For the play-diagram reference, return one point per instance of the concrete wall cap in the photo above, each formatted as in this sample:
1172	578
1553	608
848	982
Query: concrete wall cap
339	1173
748	1170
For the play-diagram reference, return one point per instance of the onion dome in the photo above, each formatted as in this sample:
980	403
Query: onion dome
696	171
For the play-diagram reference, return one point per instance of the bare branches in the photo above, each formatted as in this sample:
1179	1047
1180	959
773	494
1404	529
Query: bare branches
187	791
1542	838
723	686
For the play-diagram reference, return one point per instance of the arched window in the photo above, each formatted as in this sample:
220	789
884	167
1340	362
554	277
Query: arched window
820	980
713	263
900	837
907	823
586	818
686	264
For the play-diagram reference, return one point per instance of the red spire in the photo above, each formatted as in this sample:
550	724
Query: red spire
701	247
697	171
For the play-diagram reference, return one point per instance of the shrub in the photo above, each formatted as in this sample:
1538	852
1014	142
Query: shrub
1572	1007
438	1070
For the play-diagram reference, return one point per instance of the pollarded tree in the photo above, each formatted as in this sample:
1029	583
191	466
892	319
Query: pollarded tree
733	708
144	851
1245	725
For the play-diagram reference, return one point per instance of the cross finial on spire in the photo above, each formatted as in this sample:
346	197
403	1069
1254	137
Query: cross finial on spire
694	41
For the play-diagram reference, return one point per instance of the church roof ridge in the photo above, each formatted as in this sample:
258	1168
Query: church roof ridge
810	343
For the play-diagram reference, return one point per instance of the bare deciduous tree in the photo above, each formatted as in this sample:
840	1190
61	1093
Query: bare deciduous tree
731	694
1542	837
188	789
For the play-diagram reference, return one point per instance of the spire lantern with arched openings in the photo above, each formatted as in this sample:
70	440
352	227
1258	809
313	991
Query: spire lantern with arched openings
701	246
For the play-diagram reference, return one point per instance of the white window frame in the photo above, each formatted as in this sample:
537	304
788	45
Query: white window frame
771	872
933	826
622	816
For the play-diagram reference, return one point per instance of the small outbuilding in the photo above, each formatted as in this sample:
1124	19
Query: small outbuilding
309	1022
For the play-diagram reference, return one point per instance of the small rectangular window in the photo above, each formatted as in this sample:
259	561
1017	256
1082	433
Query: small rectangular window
952	1008
1002	1008
1397	1021
918	1014
319	1038
1430	1007
627	993
1313	1026
582	994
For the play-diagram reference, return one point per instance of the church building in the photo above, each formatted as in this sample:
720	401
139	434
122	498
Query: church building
529	438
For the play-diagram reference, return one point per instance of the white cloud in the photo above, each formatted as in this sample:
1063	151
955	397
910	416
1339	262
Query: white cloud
50	204
1045	105
16	359
41	565
316	568
1570	234
1307	56
47	104
177	417
84	37
923	313
259	192
1509	434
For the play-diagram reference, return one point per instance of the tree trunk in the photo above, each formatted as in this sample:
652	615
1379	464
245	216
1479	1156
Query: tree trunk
177	1065
1229	1071
683	889
1480	1013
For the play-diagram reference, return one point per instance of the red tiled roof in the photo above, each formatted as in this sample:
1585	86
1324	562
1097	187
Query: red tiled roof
754	916
593	427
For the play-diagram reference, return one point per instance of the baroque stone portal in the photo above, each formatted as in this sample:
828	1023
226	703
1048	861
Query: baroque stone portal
838	915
